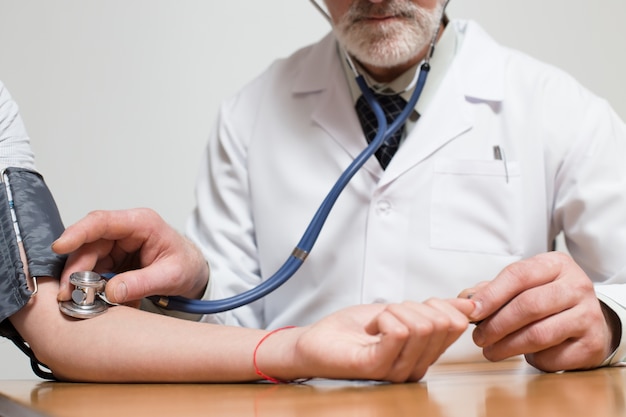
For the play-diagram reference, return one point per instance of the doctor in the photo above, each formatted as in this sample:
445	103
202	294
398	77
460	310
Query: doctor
501	155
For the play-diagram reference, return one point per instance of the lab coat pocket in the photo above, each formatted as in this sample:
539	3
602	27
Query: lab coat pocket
476	206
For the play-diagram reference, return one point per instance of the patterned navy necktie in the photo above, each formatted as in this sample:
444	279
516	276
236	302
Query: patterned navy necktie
392	105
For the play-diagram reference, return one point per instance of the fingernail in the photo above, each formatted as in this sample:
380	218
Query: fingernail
478	336
121	292
478	307
62	289
54	245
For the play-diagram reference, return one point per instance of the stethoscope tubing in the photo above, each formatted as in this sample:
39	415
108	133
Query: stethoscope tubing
305	245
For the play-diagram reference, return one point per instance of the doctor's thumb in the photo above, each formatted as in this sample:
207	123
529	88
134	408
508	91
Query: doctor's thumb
116	291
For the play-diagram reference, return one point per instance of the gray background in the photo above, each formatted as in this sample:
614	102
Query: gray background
119	95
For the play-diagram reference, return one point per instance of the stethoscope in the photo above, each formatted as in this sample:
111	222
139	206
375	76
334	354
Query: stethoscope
88	296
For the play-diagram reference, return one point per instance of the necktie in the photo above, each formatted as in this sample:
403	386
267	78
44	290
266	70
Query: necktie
392	106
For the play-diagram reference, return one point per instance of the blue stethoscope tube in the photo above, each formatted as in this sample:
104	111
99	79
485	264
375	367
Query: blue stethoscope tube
296	259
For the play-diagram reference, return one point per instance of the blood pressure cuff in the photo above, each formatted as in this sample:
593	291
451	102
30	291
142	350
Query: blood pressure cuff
28	214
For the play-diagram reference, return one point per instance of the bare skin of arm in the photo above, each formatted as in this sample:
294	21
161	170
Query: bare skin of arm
384	342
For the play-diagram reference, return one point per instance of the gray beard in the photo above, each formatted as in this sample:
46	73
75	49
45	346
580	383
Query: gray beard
390	43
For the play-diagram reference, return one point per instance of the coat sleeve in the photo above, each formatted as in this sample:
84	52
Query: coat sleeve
222	224
590	203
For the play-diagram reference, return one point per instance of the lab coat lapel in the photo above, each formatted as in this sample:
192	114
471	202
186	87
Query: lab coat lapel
336	115
446	118
322	74
477	74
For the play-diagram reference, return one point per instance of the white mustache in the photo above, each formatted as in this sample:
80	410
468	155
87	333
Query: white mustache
363	10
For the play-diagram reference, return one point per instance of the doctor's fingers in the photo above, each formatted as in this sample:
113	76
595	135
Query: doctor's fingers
469	292
103	256
89	257
133	226
574	293
519	277
565	341
586	352
159	278
531	306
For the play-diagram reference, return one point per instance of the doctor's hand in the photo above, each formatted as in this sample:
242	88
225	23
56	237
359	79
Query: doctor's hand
395	343
545	308
148	256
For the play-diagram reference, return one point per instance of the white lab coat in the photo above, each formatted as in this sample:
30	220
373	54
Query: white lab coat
445	214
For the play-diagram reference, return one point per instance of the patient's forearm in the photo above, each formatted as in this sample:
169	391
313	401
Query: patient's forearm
127	345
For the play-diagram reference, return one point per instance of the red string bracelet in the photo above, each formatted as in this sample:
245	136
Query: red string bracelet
256	367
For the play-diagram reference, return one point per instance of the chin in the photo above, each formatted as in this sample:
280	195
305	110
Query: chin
396	45
387	53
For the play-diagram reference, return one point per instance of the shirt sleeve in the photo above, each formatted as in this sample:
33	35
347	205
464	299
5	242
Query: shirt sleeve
15	150
617	303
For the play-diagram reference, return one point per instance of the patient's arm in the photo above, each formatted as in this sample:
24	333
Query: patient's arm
126	344
395	343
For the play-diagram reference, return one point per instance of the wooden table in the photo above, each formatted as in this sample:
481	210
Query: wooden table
509	389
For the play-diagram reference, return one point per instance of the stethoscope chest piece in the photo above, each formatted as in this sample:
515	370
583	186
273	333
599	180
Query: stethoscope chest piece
86	298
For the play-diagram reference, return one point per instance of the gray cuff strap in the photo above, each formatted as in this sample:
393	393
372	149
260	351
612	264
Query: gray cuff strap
28	214
14	292
39	222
